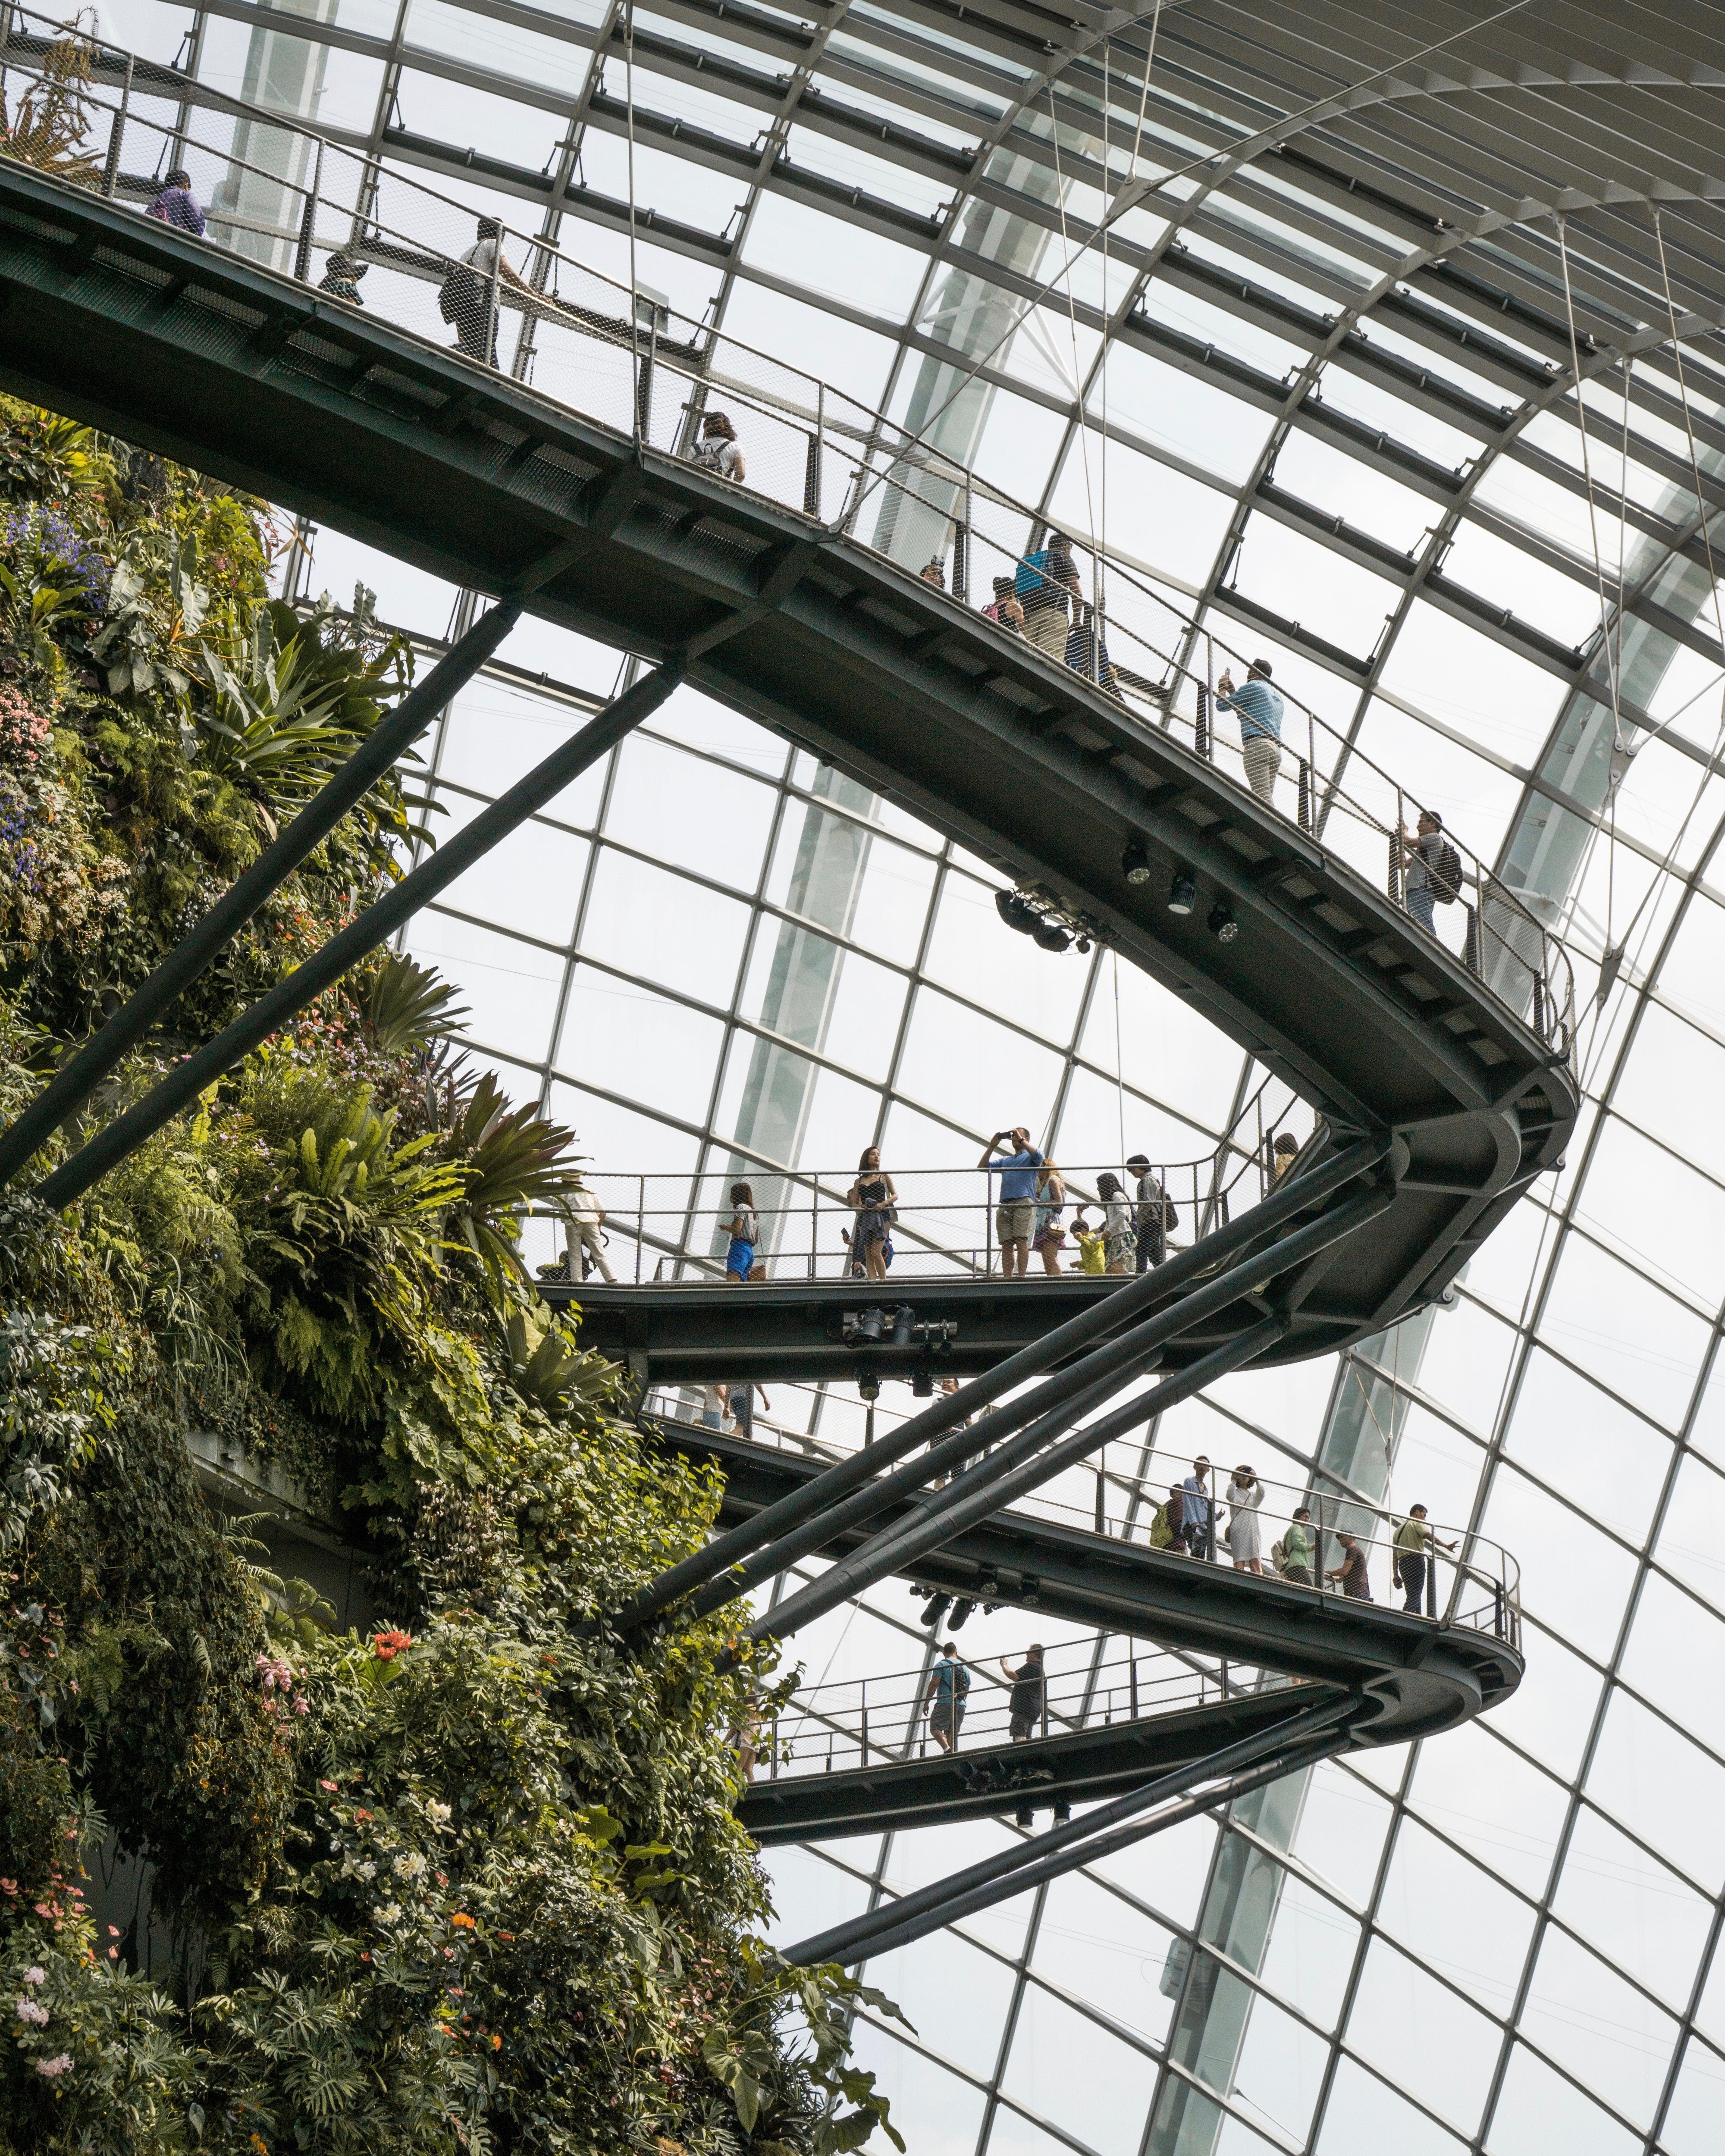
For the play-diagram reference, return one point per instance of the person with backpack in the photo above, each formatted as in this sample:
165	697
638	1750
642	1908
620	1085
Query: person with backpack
1431	875
717	450
943	1699
1046	583
1152	1214
467	297
176	205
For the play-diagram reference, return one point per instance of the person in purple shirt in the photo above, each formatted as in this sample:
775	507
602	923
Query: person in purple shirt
176	204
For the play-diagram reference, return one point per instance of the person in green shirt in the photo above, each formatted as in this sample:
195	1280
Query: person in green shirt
1407	1555
1296	1549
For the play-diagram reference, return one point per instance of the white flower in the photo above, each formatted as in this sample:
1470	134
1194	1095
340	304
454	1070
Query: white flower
28	2010
35	1976
390	1913
52	2067
409	1864
438	1812
366	1871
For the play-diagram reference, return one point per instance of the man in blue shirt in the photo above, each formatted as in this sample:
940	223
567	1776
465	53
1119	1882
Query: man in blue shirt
1015	1215
947	1689
1260	710
176	204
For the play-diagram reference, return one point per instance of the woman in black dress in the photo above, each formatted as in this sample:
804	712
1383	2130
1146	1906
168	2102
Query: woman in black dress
872	1197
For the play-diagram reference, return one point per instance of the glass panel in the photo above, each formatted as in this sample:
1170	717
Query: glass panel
689	812
1342	1828
1658	1784
531	882
510	987
925	2099
1581	1597
1691	1541
1501	1810
1641	1916
1675	1657
661	928
1539	2109
1363	2113
1455	1916
1097	1947
1643	1201
1632	1337
1312	1943
1422	2037
1575	1437
954	1996
639	1046
1551	1712
1056	2052
1697	2104
1586	2018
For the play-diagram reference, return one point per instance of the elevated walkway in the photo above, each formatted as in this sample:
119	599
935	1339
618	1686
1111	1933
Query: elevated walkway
1419	1674
242	372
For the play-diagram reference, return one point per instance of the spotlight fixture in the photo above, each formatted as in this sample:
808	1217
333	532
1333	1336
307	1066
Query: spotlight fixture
1051	937
1083	945
1135	862
1183	891
1014	911
868	1385
1223	926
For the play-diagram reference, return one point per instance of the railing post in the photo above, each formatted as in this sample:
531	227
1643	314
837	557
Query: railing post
1101	1520
811	477
116	134
1471	938
813	1224
491	351
865	1721
1431	1577
1201	726
1539	1004
302	254
1305	794
1135	1687
1392	878
961	561
640	1224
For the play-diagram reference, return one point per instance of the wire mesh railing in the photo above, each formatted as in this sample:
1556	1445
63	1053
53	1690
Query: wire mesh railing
979	1703
364	234
1320	1536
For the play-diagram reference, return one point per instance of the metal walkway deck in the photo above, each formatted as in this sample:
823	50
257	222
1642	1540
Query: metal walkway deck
242	373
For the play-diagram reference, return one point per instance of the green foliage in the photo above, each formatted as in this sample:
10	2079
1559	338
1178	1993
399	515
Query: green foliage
473	1882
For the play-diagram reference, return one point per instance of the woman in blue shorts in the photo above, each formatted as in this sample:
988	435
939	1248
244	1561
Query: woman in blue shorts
740	1258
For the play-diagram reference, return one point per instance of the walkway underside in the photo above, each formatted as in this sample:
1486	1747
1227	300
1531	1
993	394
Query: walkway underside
117	319
799	1332
1082	1765
1423	1678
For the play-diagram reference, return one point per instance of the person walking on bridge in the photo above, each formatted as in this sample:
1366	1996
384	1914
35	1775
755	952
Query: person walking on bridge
943	1699
1246	1493
1015	1212
1152	1215
585	1249
468	296
1046	583
1195	1508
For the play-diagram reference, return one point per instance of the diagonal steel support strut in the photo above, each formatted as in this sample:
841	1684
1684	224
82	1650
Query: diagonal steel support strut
1024	1464
389	740
1263	1756
720	1556
324	967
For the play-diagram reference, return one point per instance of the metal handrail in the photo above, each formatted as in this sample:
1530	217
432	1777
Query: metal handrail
1517	956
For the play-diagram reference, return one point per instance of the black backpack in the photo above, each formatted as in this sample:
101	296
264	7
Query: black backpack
462	293
1447	875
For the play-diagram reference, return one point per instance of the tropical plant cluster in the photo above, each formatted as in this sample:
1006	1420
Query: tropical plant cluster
466	1877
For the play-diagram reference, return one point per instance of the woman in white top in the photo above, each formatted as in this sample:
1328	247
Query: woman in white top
1246	1493
716	450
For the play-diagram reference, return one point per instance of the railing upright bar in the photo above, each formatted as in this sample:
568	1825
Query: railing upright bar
116	133
308	220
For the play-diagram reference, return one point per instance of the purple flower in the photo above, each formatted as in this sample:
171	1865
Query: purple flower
51	2067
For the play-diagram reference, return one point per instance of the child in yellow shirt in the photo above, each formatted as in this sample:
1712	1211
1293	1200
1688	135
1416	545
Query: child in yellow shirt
1092	1245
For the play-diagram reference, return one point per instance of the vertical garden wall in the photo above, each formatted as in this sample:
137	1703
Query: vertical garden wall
469	1880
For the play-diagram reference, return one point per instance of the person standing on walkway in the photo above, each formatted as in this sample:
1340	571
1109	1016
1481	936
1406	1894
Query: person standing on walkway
1151	1214
1195	1508
585	1249
1092	1243
744	1229
1004	611
1246	1493
1283	1154
744	1397
1431	874
1046	1233
1030	1694
943	1699
1016	1210
341	278
718	449
1122	1242
468	296
1046	583
176	205
1259	708
1296	1549
872	1197
1352	1570
1414	1538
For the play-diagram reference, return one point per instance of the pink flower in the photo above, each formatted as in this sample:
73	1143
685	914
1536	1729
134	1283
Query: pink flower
37	1975
298	1706
51	2067
329	1786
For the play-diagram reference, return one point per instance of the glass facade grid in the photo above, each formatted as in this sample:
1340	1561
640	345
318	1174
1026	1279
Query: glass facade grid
1320	399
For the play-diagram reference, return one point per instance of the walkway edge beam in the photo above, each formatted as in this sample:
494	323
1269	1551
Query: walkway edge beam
326	967
839	1942
987	1488
1143	1294
72	1086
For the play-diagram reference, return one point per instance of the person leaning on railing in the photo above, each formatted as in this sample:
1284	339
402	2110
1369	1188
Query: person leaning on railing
1296	1547
1408	1556
467	296
1432	876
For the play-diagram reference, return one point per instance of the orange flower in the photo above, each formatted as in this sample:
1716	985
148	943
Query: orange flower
464	1921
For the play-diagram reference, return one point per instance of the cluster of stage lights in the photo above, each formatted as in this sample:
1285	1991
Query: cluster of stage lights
1046	929
1182	892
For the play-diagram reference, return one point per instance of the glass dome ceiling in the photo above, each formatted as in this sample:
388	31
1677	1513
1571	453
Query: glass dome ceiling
1400	360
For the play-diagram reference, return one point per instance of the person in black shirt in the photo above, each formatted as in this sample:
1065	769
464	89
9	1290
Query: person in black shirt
1030	1691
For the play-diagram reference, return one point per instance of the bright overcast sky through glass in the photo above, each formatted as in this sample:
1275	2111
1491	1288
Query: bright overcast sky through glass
1319	388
